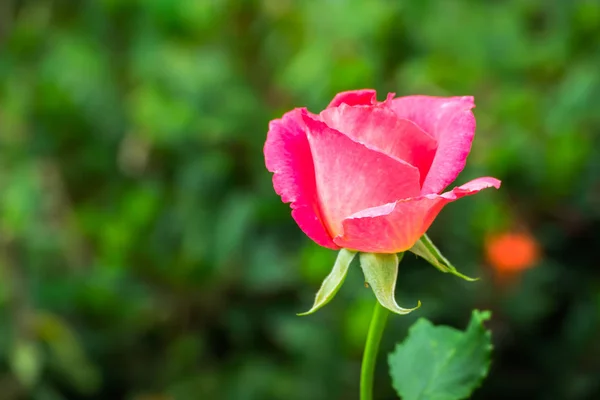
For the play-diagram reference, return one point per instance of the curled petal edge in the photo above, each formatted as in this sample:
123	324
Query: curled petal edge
360	97
396	227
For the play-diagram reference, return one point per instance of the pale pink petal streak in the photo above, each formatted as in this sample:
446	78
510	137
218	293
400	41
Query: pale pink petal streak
395	227
364	97
351	177
288	156
379	128
449	120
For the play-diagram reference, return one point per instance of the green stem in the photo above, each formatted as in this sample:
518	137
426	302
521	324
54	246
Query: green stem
378	321
367	373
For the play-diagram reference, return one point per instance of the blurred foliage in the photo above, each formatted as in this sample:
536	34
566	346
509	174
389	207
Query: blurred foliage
145	256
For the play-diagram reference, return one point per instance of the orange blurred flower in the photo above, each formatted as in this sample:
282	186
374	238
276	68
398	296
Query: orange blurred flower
511	253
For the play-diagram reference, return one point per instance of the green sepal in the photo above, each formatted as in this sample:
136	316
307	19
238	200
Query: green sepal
381	272
426	249
333	281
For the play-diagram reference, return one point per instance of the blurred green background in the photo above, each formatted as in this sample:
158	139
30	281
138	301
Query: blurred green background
144	254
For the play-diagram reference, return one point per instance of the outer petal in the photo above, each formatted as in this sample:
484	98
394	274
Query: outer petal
288	156
351	177
379	128
451	122
396	227
365	97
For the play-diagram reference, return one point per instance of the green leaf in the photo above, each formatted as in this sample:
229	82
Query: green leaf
333	281
381	272
440	362
426	249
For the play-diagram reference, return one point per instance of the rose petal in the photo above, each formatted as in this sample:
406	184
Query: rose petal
351	177
395	227
288	156
452	123
364	97
379	128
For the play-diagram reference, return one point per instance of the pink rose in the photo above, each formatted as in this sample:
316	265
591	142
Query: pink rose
367	175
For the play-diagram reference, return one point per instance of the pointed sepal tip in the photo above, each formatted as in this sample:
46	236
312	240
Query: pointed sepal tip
425	249
333	281
381	273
